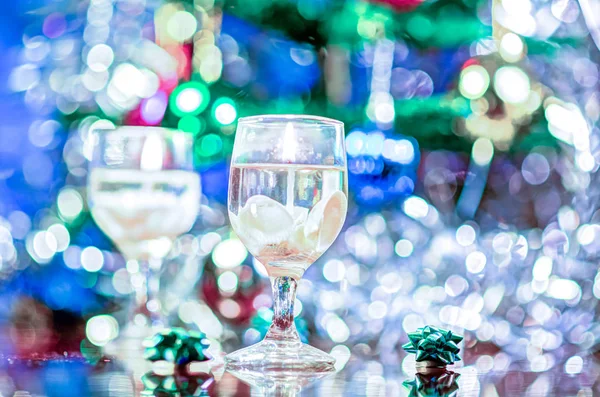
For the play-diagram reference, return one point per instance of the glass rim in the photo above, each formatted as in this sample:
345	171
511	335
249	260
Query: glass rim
303	118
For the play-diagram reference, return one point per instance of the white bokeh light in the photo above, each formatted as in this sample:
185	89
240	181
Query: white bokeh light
512	84
475	262
101	329
474	81
511	47
92	259
483	151
229	254
188	100
225	113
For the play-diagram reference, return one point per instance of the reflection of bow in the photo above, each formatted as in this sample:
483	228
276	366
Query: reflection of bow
434	344
175	386
437	384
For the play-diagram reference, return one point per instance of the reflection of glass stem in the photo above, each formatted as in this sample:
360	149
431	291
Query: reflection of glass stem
284	295
281	389
289	155
290	192
147	297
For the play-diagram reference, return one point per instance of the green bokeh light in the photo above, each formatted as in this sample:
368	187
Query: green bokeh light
189	99
210	145
191	124
420	27
310	9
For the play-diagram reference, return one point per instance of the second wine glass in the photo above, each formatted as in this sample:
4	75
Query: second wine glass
287	204
143	193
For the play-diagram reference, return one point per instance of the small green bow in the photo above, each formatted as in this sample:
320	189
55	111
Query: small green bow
438	385
177	346
434	344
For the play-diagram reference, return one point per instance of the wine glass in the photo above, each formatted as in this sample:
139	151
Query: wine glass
287	204
143	193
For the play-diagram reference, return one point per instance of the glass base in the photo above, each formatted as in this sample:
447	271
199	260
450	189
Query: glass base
280	355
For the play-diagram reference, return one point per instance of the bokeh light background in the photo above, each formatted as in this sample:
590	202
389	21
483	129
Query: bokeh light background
473	152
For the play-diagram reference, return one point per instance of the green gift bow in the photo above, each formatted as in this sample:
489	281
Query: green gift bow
177	346
439	385
434	344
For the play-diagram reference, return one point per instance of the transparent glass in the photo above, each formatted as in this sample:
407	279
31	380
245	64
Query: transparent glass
143	193
288	192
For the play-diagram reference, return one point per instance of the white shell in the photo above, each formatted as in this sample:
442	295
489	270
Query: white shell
265	220
326	219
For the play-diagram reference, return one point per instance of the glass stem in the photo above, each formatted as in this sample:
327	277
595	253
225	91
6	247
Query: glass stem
284	295
148	301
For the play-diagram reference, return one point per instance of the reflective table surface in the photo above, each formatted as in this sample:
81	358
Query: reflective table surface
485	375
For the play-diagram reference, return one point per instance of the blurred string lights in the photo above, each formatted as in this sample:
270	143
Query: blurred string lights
464	177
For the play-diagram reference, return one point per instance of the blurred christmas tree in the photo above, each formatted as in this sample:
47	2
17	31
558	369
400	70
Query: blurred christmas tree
482	108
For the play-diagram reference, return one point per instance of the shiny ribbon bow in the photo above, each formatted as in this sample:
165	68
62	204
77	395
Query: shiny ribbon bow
434	344
177	346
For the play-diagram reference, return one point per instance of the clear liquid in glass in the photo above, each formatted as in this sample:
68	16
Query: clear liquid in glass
143	212
287	215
